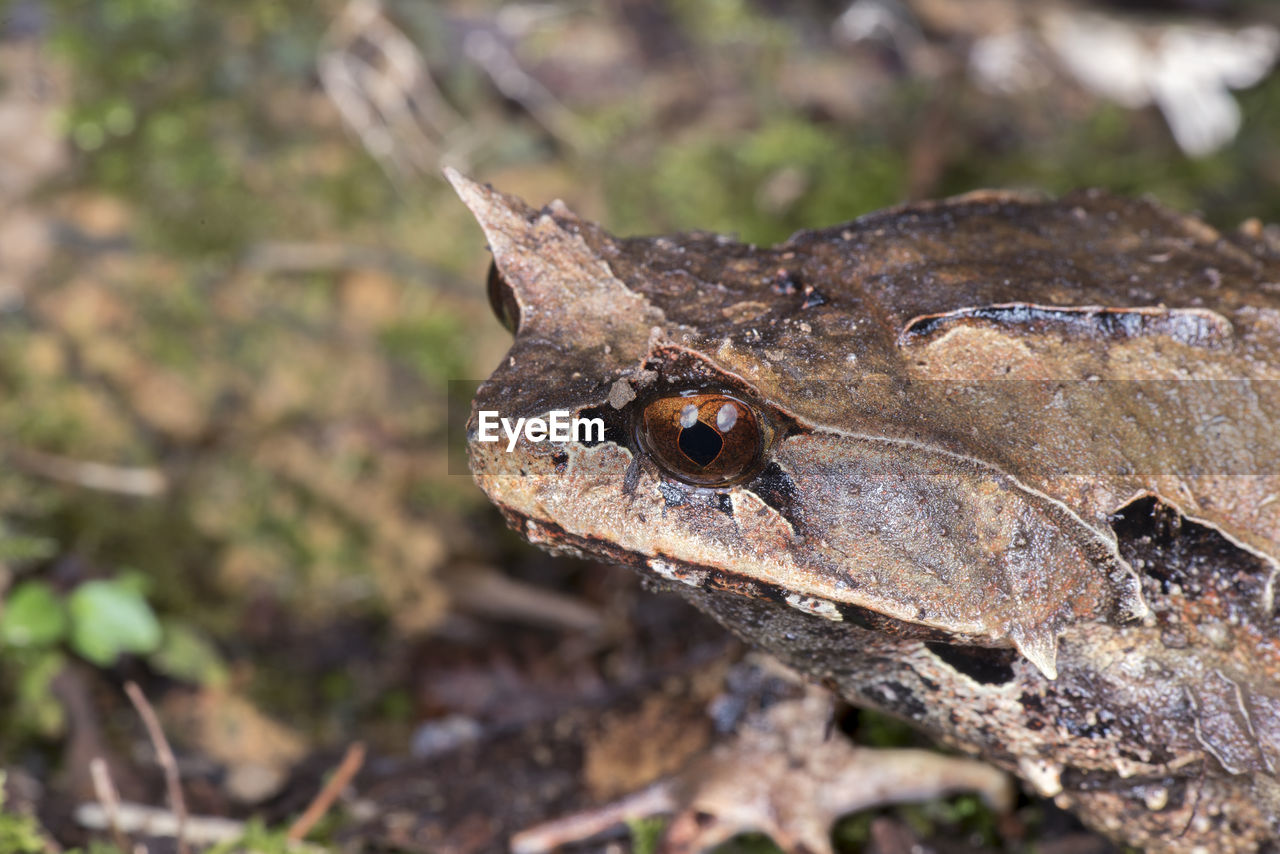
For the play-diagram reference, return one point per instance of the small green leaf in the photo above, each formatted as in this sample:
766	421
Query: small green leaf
33	616
109	619
187	654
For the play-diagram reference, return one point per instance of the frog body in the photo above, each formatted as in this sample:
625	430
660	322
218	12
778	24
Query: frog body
1004	466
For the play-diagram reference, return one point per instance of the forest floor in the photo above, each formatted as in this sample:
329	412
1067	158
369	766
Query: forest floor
241	315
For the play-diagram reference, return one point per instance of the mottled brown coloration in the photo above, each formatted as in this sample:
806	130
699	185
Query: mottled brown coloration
995	421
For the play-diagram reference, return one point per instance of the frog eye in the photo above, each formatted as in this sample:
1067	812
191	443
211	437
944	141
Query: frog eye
503	300
702	439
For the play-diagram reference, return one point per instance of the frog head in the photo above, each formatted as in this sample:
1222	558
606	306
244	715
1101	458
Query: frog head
722	415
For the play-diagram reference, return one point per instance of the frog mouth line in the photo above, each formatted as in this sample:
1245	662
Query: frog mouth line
719	580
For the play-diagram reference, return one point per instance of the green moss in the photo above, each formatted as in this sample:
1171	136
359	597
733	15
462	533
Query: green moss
764	185
173	109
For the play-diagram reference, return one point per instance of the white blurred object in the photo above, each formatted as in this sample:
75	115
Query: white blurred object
1188	71
883	21
1106	56
1198	69
1006	63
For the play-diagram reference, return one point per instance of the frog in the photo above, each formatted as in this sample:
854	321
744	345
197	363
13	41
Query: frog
1003	465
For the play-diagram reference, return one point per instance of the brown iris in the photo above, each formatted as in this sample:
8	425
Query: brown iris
704	439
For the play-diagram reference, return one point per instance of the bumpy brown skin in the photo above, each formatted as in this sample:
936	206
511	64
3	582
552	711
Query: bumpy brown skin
1022	485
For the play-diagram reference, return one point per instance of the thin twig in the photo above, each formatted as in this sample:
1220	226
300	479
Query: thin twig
652	800
271	257
492	593
324	799
164	755
125	480
146	820
105	791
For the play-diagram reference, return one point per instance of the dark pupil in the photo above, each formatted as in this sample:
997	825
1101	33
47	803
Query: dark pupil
700	443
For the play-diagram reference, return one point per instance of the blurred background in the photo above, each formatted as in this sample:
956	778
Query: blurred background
234	292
